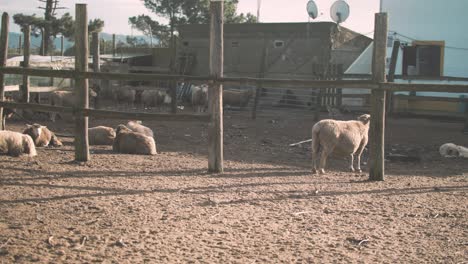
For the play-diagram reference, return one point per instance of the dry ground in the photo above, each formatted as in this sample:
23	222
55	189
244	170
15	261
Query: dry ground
265	208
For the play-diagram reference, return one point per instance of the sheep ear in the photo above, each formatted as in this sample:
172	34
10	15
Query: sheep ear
28	125
43	126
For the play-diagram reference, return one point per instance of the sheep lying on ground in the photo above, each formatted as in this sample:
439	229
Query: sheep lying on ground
237	98
450	150
68	98
339	137
136	126
155	98
42	136
129	142
14	144
101	135
200	98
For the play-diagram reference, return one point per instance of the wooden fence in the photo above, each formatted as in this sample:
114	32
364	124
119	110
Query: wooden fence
377	85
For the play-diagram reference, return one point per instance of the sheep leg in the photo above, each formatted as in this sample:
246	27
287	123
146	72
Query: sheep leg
323	161
359	163
352	162
315	150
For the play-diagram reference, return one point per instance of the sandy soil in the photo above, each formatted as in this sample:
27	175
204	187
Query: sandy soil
265	208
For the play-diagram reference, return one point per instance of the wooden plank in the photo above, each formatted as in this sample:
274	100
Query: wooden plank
377	123
3	59
109	114
82	92
423	87
96	64
38	107
215	92
113	45
261	74
25	89
32	89
431	98
431	78
391	74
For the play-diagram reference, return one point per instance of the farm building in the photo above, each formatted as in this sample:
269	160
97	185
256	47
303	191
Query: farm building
318	50
431	49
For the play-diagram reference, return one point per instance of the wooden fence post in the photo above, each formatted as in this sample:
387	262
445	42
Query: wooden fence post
27	52
20	44
391	74
62	46
377	123
3	59
215	93
261	74
81	89
96	66
113	45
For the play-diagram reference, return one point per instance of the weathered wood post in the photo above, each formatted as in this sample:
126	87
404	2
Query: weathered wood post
113	45
27	52
3	59
377	123
261	74
20	44
215	92
96	66
81	89
61	45
391	74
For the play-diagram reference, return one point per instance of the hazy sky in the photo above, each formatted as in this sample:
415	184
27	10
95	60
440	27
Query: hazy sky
115	13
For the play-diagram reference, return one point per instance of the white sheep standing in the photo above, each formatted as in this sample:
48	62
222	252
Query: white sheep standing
450	150
101	135
200	98
136	126
339	137
129	142
68	98
14	144
42	136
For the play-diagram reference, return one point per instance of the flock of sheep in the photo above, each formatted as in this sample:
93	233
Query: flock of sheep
133	138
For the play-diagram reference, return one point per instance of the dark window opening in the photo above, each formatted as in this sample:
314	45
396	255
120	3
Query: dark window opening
279	43
235	44
185	43
422	60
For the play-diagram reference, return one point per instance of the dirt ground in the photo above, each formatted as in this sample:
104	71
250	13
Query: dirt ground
266	207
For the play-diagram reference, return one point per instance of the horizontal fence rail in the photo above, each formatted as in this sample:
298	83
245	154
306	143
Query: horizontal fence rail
109	114
285	83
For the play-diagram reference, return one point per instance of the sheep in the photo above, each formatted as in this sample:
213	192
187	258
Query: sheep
200	98
339	137
42	136
14	144
129	142
237	98
125	95
155	98
136	126
68	98
450	150
101	135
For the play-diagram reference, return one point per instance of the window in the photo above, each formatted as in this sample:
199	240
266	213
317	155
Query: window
424	58
185	43
235	44
279	43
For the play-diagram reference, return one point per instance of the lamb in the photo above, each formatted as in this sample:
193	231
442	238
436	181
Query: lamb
450	150
101	135
42	136
237	98
136	126
200	98
68	98
339	137
129	142
14	144
155	98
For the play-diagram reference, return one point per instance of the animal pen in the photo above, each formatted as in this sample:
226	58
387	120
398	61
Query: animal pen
378	86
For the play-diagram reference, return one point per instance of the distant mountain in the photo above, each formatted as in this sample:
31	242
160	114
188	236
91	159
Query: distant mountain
13	40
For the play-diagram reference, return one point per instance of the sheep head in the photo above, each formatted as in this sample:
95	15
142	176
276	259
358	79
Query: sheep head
365	119
122	129
34	130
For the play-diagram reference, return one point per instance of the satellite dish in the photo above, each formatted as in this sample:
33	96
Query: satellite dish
312	9
339	11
